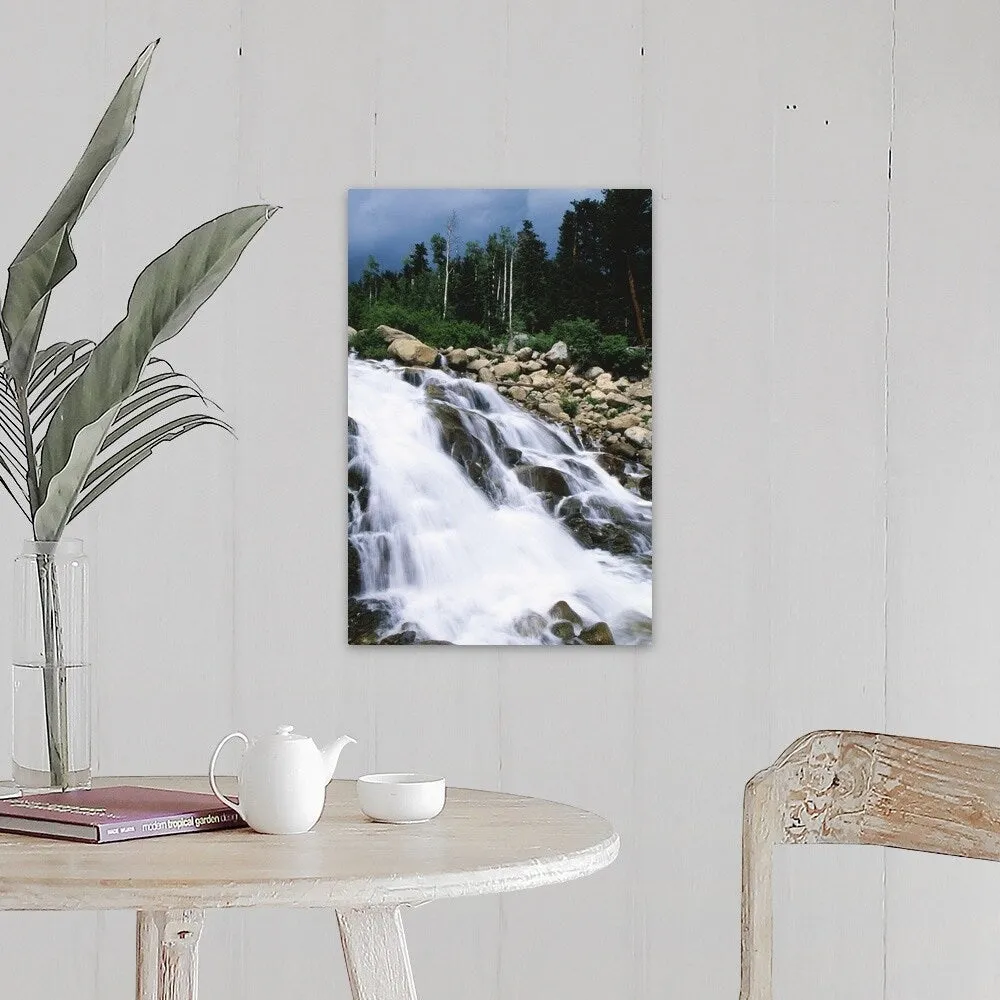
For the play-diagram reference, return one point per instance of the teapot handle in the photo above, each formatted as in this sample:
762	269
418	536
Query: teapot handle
211	774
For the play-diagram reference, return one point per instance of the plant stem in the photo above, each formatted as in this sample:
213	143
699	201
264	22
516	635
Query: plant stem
53	673
54	669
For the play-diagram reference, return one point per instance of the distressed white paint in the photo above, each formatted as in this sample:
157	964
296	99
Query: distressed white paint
825	558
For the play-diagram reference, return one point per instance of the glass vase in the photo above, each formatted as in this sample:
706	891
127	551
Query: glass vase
51	739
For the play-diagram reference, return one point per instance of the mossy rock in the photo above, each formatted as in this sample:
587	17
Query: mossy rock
562	612
543	479
406	638
367	618
598	634
563	630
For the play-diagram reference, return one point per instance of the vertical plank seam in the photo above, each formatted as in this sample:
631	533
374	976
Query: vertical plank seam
885	473
501	913
506	87
236	930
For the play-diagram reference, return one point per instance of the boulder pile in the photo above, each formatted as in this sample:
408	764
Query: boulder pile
612	414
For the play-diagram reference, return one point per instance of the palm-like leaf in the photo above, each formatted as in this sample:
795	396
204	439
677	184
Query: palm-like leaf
13	464
166	295
164	405
55	371
48	255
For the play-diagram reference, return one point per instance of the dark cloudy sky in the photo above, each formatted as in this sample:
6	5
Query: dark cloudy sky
386	222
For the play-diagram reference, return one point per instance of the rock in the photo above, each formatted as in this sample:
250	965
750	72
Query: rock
465	447
641	437
557	353
540	380
486	375
646	487
611	464
433	391
518	392
532	366
412	352
592	373
477	362
563	630
640	390
597	396
472	353
351	334
407	638
623	422
553	410
607	527
621	448
390	333
524	354
645	456
598	634
560	369
353	570
530	625
605	382
365	619
506	369
458	358
562	612
543	479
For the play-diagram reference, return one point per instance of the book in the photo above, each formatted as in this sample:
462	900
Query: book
115	813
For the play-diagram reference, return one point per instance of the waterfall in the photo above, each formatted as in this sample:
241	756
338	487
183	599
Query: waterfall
469	518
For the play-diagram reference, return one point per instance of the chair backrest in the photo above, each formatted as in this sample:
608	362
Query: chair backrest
835	787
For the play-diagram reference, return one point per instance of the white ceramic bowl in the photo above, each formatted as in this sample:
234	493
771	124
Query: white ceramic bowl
401	798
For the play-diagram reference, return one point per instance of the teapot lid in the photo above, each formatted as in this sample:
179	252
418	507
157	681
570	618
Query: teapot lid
286	733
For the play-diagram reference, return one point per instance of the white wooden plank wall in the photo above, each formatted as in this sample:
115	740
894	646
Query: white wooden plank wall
823	558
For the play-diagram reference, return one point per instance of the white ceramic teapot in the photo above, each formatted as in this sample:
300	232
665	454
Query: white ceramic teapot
282	780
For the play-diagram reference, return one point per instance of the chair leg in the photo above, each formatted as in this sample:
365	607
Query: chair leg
166	966
756	938
378	964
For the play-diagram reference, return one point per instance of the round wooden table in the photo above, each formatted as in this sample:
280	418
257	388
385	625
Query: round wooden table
483	842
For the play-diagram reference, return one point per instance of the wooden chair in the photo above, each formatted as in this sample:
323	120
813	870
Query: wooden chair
861	788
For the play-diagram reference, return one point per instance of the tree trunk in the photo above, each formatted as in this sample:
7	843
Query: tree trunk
447	258
510	305
640	327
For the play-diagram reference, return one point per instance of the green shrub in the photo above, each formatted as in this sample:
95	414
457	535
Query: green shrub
424	324
540	342
587	347
369	344
570	404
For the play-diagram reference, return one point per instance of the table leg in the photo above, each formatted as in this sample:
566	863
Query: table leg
378	965
166	965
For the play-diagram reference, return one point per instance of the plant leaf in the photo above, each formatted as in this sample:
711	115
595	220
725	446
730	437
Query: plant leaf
13	463
136	452
48	255
52	393
51	358
165	296
122	427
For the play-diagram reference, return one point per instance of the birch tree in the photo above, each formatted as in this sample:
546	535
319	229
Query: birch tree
450	229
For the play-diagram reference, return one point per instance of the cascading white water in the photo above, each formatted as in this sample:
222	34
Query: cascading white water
469	518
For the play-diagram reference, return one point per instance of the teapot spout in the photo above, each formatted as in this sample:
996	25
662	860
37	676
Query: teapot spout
331	754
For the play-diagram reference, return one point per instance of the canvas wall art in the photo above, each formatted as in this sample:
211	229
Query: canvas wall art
500	405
